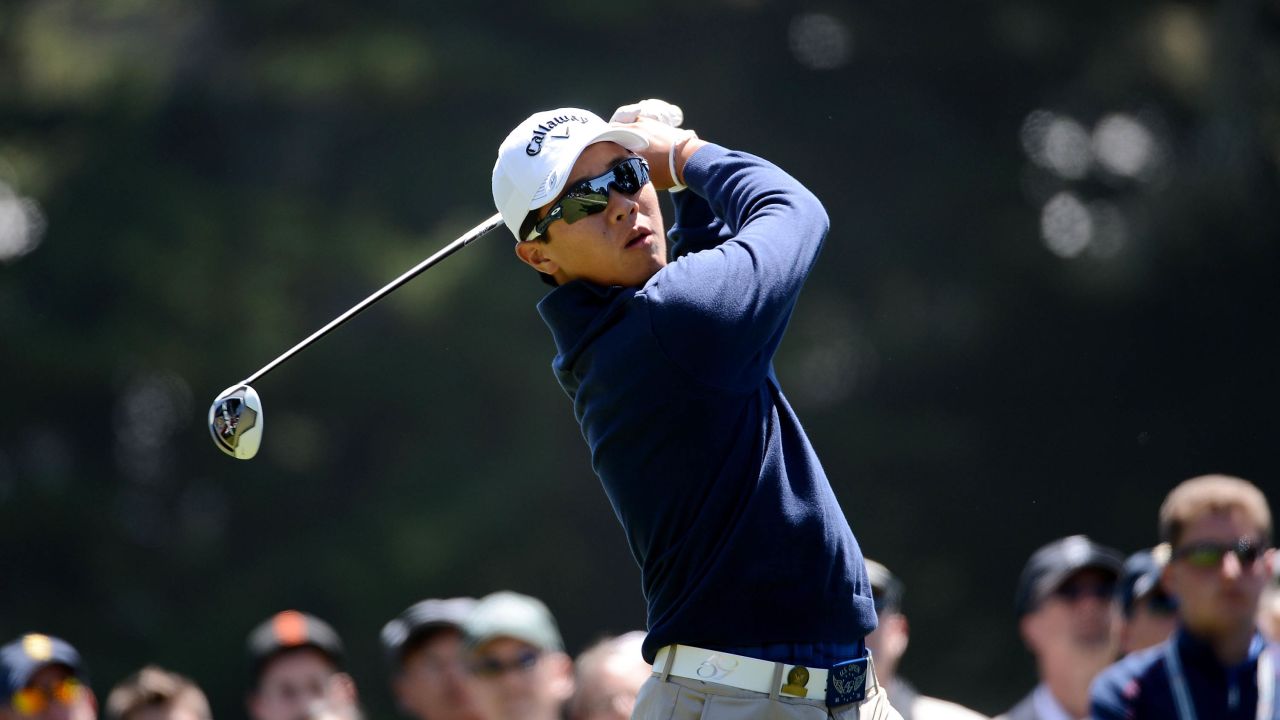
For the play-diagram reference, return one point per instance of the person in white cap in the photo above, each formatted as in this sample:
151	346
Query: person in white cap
519	669
758	598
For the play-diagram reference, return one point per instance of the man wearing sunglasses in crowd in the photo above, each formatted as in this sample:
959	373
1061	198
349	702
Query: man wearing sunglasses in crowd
1216	666
1064	612
519	670
758	599
43	679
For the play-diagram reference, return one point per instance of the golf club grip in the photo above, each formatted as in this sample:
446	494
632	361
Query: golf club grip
444	252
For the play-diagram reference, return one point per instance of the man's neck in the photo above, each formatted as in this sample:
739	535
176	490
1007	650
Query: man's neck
1068	675
1230	647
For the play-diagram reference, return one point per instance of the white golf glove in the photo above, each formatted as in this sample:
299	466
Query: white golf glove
659	110
663	112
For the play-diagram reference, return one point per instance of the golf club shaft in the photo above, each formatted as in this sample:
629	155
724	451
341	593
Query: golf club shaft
413	272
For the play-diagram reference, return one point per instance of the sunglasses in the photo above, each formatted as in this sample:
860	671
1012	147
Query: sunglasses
592	195
30	701
1210	554
1074	591
493	667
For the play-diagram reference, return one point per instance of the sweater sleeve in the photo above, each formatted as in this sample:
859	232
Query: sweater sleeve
696	227
720	309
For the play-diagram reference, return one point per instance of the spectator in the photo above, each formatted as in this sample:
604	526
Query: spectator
517	660
153	693
296	670
608	678
1269	612
44	679
1217	666
1147	613
429	675
1064	615
887	645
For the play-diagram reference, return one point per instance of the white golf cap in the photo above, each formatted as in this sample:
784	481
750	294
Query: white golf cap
535	160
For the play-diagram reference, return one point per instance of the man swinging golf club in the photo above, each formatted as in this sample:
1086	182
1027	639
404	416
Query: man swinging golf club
758	598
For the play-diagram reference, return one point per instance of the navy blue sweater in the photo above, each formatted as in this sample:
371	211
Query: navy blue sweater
727	510
1137	687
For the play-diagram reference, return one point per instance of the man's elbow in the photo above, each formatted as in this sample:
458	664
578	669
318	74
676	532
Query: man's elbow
815	215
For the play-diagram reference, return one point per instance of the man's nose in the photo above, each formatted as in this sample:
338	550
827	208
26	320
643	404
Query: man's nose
621	205
1231	566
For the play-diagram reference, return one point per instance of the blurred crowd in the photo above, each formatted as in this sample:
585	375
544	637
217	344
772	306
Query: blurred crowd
1092	619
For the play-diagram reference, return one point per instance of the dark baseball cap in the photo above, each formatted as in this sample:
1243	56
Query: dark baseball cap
420	619
886	588
1140	577
288	630
509	614
1051	566
25	656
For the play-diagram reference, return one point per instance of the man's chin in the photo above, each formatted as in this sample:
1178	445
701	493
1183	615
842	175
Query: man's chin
1092	643
521	710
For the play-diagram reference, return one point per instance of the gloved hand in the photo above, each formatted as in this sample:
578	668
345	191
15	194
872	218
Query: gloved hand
660	110
666	113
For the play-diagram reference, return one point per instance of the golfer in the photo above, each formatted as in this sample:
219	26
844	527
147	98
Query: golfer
758	599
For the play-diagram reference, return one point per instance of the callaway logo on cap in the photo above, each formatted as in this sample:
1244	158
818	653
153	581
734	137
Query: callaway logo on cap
556	127
535	160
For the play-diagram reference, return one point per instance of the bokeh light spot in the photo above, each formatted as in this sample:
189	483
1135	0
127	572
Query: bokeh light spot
820	41
1066	225
150	409
1124	146
21	224
1057	143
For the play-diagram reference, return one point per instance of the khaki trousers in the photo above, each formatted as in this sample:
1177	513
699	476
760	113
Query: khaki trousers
679	698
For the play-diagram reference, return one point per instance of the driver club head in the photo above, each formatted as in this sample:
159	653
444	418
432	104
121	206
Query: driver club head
235	421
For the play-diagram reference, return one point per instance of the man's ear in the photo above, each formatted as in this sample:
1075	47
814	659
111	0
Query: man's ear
1167	581
533	254
1029	627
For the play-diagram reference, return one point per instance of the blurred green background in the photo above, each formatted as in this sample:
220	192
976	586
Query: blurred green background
1050	292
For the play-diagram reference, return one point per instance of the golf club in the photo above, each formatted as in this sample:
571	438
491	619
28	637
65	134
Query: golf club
235	418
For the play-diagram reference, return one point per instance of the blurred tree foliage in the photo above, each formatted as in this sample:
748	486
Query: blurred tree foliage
1044	300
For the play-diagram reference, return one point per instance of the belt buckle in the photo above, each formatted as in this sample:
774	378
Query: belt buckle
847	682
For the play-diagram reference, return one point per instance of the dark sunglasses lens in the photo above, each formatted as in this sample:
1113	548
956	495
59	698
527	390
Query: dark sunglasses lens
1246	553
1074	592
592	196
626	176
576	207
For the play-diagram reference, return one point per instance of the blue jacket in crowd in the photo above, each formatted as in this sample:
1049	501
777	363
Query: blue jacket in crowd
1139	688
741	543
